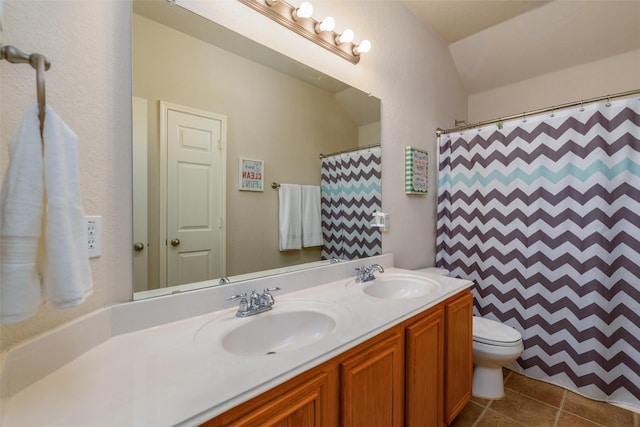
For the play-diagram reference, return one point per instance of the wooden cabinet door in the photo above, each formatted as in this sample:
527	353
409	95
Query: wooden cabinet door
308	404
424	374
458	355
372	384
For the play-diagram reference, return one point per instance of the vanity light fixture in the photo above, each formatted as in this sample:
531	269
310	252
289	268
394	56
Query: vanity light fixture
346	37
363	47
299	20
304	11
327	24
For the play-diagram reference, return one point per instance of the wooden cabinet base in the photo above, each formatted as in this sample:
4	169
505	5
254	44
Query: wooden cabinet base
424	371
458	355
371	384
306	401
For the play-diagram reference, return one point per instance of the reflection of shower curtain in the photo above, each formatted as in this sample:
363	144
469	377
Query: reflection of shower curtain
351	193
544	216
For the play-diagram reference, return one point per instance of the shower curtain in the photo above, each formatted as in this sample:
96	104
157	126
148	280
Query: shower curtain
351	193
543	214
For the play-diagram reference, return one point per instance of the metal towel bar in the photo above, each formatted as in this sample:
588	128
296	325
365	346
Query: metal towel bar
40	63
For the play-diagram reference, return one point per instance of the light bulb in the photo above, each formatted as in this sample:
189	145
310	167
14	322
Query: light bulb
327	24
363	47
304	11
345	37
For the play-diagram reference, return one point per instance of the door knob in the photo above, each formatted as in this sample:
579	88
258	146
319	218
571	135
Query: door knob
175	242
138	247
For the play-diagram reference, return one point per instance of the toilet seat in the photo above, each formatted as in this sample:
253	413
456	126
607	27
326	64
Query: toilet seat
490	332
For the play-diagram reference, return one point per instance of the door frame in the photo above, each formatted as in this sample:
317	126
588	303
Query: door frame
165	107
140	199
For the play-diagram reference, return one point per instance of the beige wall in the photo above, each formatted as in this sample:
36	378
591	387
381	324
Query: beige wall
89	85
616	74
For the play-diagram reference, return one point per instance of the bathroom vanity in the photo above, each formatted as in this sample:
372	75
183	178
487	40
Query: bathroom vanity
394	351
417	373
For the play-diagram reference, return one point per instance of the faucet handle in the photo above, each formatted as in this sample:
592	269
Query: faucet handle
232	297
266	299
244	305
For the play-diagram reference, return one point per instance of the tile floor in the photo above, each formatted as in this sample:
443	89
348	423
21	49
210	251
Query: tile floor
534	403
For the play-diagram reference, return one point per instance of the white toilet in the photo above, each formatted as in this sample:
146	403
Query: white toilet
494	346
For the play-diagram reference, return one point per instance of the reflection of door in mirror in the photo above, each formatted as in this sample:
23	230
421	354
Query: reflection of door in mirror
192	143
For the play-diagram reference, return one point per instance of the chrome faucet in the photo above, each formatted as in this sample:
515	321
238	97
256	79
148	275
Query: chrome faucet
254	303
366	273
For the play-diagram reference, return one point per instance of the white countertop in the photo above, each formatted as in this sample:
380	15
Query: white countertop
164	376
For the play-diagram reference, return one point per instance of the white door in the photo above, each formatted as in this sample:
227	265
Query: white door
195	144
140	203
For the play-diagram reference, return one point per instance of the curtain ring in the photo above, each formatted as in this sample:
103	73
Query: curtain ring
608	104
581	105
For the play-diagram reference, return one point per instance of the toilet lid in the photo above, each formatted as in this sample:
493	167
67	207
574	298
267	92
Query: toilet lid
495	333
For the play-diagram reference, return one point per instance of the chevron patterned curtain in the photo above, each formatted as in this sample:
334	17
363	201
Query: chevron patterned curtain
543	214
351	193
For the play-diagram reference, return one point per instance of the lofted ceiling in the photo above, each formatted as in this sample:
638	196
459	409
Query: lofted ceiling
498	42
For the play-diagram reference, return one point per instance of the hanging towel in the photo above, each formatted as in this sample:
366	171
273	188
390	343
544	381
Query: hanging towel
66	271
311	216
42	235
21	215
290	216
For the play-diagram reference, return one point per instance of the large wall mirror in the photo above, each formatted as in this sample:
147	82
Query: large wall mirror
224	97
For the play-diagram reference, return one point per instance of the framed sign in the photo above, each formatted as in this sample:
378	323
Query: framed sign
416	163
250	175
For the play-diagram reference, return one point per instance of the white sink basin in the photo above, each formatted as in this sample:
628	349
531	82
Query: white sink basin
289	326
400	286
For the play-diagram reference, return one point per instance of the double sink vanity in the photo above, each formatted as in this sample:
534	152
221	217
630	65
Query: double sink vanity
329	351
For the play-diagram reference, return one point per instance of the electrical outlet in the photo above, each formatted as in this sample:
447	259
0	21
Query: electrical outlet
94	235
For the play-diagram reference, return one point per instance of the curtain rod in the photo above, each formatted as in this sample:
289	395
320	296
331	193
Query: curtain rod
349	150
440	131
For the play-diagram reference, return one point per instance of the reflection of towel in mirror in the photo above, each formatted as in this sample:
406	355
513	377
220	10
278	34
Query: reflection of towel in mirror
290	216
311	216
42	222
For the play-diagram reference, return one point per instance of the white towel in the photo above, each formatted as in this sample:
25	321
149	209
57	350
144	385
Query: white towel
290	217
38	241
311	216
66	272
21	215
